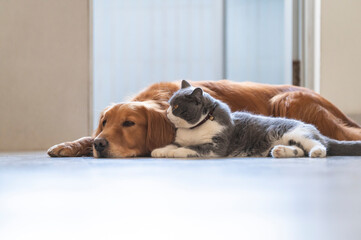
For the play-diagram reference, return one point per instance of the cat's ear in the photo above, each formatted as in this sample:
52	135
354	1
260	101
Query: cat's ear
185	84
197	92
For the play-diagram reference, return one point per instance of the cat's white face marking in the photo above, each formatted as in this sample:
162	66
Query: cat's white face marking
179	122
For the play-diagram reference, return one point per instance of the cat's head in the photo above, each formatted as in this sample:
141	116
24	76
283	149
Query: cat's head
187	106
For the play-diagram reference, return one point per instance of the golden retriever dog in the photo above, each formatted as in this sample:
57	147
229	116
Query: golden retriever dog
136	128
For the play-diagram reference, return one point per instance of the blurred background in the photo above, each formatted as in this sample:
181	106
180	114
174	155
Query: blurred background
62	62
140	42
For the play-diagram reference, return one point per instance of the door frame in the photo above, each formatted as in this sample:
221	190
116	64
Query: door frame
307	41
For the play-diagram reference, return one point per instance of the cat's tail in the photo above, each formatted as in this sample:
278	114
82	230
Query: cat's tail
343	148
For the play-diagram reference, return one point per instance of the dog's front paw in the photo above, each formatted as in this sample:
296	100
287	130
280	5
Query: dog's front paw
62	150
78	148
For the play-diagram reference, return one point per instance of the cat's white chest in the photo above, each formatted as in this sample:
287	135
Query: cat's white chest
199	135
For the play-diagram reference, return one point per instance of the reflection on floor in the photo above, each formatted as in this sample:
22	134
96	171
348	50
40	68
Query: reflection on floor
246	198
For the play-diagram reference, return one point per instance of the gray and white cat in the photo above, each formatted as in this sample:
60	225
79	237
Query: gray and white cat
207	128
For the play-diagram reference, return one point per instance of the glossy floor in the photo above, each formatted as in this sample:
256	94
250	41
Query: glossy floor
247	198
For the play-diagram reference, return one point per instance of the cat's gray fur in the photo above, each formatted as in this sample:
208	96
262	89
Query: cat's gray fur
244	134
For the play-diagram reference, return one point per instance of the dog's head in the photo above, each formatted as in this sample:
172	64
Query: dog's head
132	129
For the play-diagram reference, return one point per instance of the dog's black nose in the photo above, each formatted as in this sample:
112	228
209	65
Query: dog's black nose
100	144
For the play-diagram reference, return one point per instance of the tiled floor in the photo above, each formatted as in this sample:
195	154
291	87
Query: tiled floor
249	198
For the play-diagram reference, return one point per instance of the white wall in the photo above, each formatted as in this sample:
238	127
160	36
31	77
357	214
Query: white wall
341	54
140	42
259	41
44	72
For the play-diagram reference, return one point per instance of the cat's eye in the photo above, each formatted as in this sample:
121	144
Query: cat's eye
128	123
104	122
175	107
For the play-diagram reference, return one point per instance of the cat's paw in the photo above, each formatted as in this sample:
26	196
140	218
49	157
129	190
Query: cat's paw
318	152
183	153
278	151
164	151
160	152
281	151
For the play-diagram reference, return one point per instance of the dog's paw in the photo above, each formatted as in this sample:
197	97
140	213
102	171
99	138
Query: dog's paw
78	148
62	150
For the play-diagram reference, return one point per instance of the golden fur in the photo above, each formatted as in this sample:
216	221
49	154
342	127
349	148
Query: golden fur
152	129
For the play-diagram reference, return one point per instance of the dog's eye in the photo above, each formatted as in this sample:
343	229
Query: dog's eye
128	123
104	122
175	107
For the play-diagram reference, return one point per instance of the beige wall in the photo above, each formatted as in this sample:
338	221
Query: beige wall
44	72
341	54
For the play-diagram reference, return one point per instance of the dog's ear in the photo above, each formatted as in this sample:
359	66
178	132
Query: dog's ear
161	105
160	131
185	84
99	129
